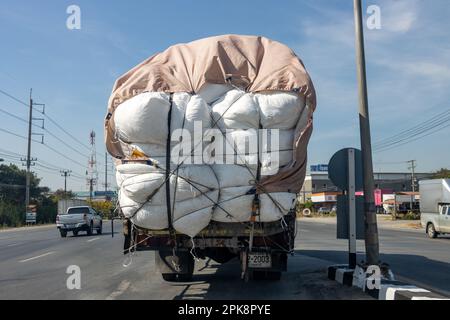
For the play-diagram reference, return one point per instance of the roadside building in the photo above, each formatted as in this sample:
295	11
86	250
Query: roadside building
317	183
97	195
327	199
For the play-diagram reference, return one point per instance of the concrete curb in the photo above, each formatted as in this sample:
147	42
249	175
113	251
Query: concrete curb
387	290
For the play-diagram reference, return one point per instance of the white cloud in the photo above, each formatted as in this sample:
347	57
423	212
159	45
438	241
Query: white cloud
399	16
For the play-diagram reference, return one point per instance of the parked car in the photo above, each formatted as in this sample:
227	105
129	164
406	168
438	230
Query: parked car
435	206
323	210
436	223
80	218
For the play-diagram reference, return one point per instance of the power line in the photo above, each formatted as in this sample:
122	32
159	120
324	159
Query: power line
65	131
418	138
47	131
419	126
49	118
17	135
415	132
438	123
14	98
46	145
42	163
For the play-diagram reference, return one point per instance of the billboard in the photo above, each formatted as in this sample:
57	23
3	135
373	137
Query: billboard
319	168
30	215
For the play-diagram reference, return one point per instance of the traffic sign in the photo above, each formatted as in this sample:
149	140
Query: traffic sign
338	169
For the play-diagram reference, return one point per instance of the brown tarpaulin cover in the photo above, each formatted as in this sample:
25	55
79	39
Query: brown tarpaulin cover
252	63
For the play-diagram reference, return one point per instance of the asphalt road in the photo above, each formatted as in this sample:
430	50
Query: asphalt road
412	256
34	262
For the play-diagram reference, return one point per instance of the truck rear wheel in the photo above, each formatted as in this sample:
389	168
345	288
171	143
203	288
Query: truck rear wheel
179	268
90	230
63	233
100	229
431	231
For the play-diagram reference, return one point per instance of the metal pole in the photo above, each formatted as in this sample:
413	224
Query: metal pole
413	183
352	210
371	228
91	188
65	174
28	160
106	174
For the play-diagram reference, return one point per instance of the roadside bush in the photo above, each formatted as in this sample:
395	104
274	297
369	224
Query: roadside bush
411	216
46	211
103	207
11	215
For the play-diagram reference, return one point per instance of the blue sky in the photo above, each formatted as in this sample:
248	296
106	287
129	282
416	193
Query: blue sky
72	71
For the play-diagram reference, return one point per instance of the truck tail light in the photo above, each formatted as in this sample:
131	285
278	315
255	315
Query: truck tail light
57	218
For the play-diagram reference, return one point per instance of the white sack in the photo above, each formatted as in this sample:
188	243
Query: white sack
236	110
143	118
280	110
232	175
194	222
234	205
269	211
142	122
212	91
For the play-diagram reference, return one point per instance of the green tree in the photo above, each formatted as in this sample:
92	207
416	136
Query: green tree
443	173
60	194
12	184
12	197
103	207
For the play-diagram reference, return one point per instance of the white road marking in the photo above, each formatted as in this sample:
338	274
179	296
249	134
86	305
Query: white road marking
123	286
90	240
13	244
39	256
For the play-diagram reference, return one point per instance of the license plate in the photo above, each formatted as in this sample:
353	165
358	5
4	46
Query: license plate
259	260
70	225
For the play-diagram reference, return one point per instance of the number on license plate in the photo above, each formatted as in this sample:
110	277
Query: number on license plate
259	260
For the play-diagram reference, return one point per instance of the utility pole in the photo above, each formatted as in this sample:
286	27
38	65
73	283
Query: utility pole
371	228
92	167
106	173
29	161
65	174
412	167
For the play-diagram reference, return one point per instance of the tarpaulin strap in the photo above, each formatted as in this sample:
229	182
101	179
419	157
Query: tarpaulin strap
261	187
169	208
255	203
177	168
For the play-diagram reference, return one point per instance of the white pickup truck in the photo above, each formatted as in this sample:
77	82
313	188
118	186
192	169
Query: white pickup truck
435	206
436	223
76	219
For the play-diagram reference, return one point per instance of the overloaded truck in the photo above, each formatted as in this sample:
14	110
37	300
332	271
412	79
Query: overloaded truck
210	145
435	206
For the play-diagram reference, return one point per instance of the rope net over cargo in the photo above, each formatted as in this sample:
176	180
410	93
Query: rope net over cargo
234	88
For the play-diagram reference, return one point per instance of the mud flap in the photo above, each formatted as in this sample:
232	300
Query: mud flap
180	263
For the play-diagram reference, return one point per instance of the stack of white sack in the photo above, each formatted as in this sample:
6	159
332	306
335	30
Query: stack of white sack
213	173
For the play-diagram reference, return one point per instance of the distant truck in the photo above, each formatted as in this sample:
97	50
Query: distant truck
435	206
65	204
75	215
